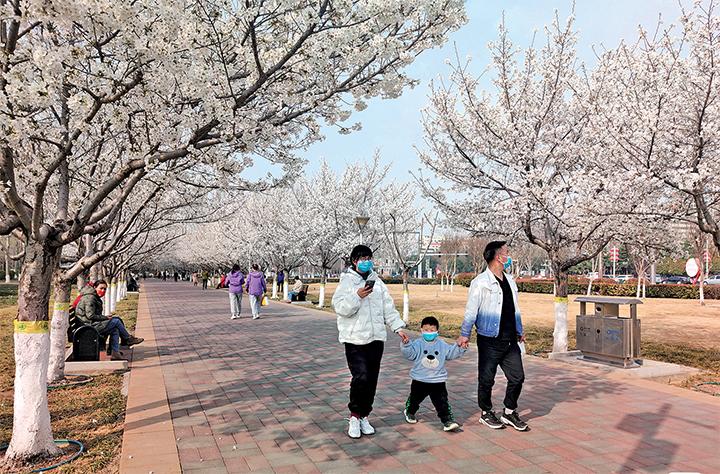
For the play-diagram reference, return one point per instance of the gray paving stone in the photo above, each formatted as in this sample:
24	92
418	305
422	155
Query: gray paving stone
268	380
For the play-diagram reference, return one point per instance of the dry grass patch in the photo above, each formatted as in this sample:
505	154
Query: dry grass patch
675	331
93	413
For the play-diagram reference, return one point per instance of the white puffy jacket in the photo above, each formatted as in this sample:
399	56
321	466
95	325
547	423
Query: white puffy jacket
362	320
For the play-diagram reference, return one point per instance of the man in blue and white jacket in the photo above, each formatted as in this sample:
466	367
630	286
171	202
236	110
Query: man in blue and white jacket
493	309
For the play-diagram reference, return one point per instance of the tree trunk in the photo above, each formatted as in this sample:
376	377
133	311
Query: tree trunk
275	287
32	435
323	280
59	327
589	288
560	333
106	303
95	272
653	273
442	282
7	259
406	297
285	285
123	285
113	294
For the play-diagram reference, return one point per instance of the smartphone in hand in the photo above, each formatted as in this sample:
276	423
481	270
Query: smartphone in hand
369	284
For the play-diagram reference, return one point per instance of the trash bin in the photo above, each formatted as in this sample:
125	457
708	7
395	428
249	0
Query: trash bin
604	335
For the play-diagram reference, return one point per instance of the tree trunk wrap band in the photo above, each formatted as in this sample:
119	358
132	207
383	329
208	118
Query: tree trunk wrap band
32	327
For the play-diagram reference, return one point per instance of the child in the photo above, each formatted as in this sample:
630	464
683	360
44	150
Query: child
429	374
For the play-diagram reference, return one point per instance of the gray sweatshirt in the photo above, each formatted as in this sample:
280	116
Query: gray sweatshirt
429	358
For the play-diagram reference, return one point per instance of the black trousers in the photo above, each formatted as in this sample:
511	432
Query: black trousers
491	353
364	364
438	396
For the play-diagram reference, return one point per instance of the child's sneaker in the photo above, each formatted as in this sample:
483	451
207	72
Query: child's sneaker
410	418
451	425
354	427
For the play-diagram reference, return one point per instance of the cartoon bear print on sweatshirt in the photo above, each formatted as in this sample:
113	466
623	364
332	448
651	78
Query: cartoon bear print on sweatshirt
430	359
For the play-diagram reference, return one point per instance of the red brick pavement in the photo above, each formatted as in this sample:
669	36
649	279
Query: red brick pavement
270	395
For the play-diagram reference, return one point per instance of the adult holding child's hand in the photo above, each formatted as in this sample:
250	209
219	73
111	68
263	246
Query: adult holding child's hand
364	307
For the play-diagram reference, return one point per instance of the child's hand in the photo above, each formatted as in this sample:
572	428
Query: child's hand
404	337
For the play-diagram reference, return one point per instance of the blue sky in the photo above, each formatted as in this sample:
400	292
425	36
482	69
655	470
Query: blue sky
393	126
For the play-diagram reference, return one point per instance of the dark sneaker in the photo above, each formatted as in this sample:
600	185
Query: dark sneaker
410	418
134	340
451	425
489	419
514	420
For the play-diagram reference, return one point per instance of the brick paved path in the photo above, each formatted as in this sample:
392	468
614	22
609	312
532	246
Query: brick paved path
270	395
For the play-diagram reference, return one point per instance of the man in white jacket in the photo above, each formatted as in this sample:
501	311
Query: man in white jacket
492	308
364	307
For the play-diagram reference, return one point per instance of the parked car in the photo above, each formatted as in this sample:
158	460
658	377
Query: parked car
675	280
713	280
623	278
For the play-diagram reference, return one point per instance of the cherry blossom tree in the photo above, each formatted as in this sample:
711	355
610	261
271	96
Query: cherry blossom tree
324	201
13	250
132	86
450	246
148	222
523	157
476	247
659	105
404	242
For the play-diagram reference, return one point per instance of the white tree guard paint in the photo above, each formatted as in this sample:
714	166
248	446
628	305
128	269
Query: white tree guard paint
113	296
58	339
285	289
106	303
406	306
442	283
31	433
560	333
274	289
321	298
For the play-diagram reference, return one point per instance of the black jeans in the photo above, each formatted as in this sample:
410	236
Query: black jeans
438	395
491	353
364	364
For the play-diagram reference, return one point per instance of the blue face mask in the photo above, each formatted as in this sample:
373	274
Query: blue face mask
364	266
430	336
507	263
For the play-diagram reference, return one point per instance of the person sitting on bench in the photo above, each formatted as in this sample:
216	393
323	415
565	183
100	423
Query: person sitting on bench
296	289
89	310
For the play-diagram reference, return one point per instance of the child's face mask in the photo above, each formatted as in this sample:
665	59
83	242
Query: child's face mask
101	292
430	336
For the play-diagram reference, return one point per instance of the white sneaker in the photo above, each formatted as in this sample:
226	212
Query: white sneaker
234	317
354	427
366	427
256	317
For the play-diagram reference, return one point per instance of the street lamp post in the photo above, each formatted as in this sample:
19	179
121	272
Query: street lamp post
361	222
